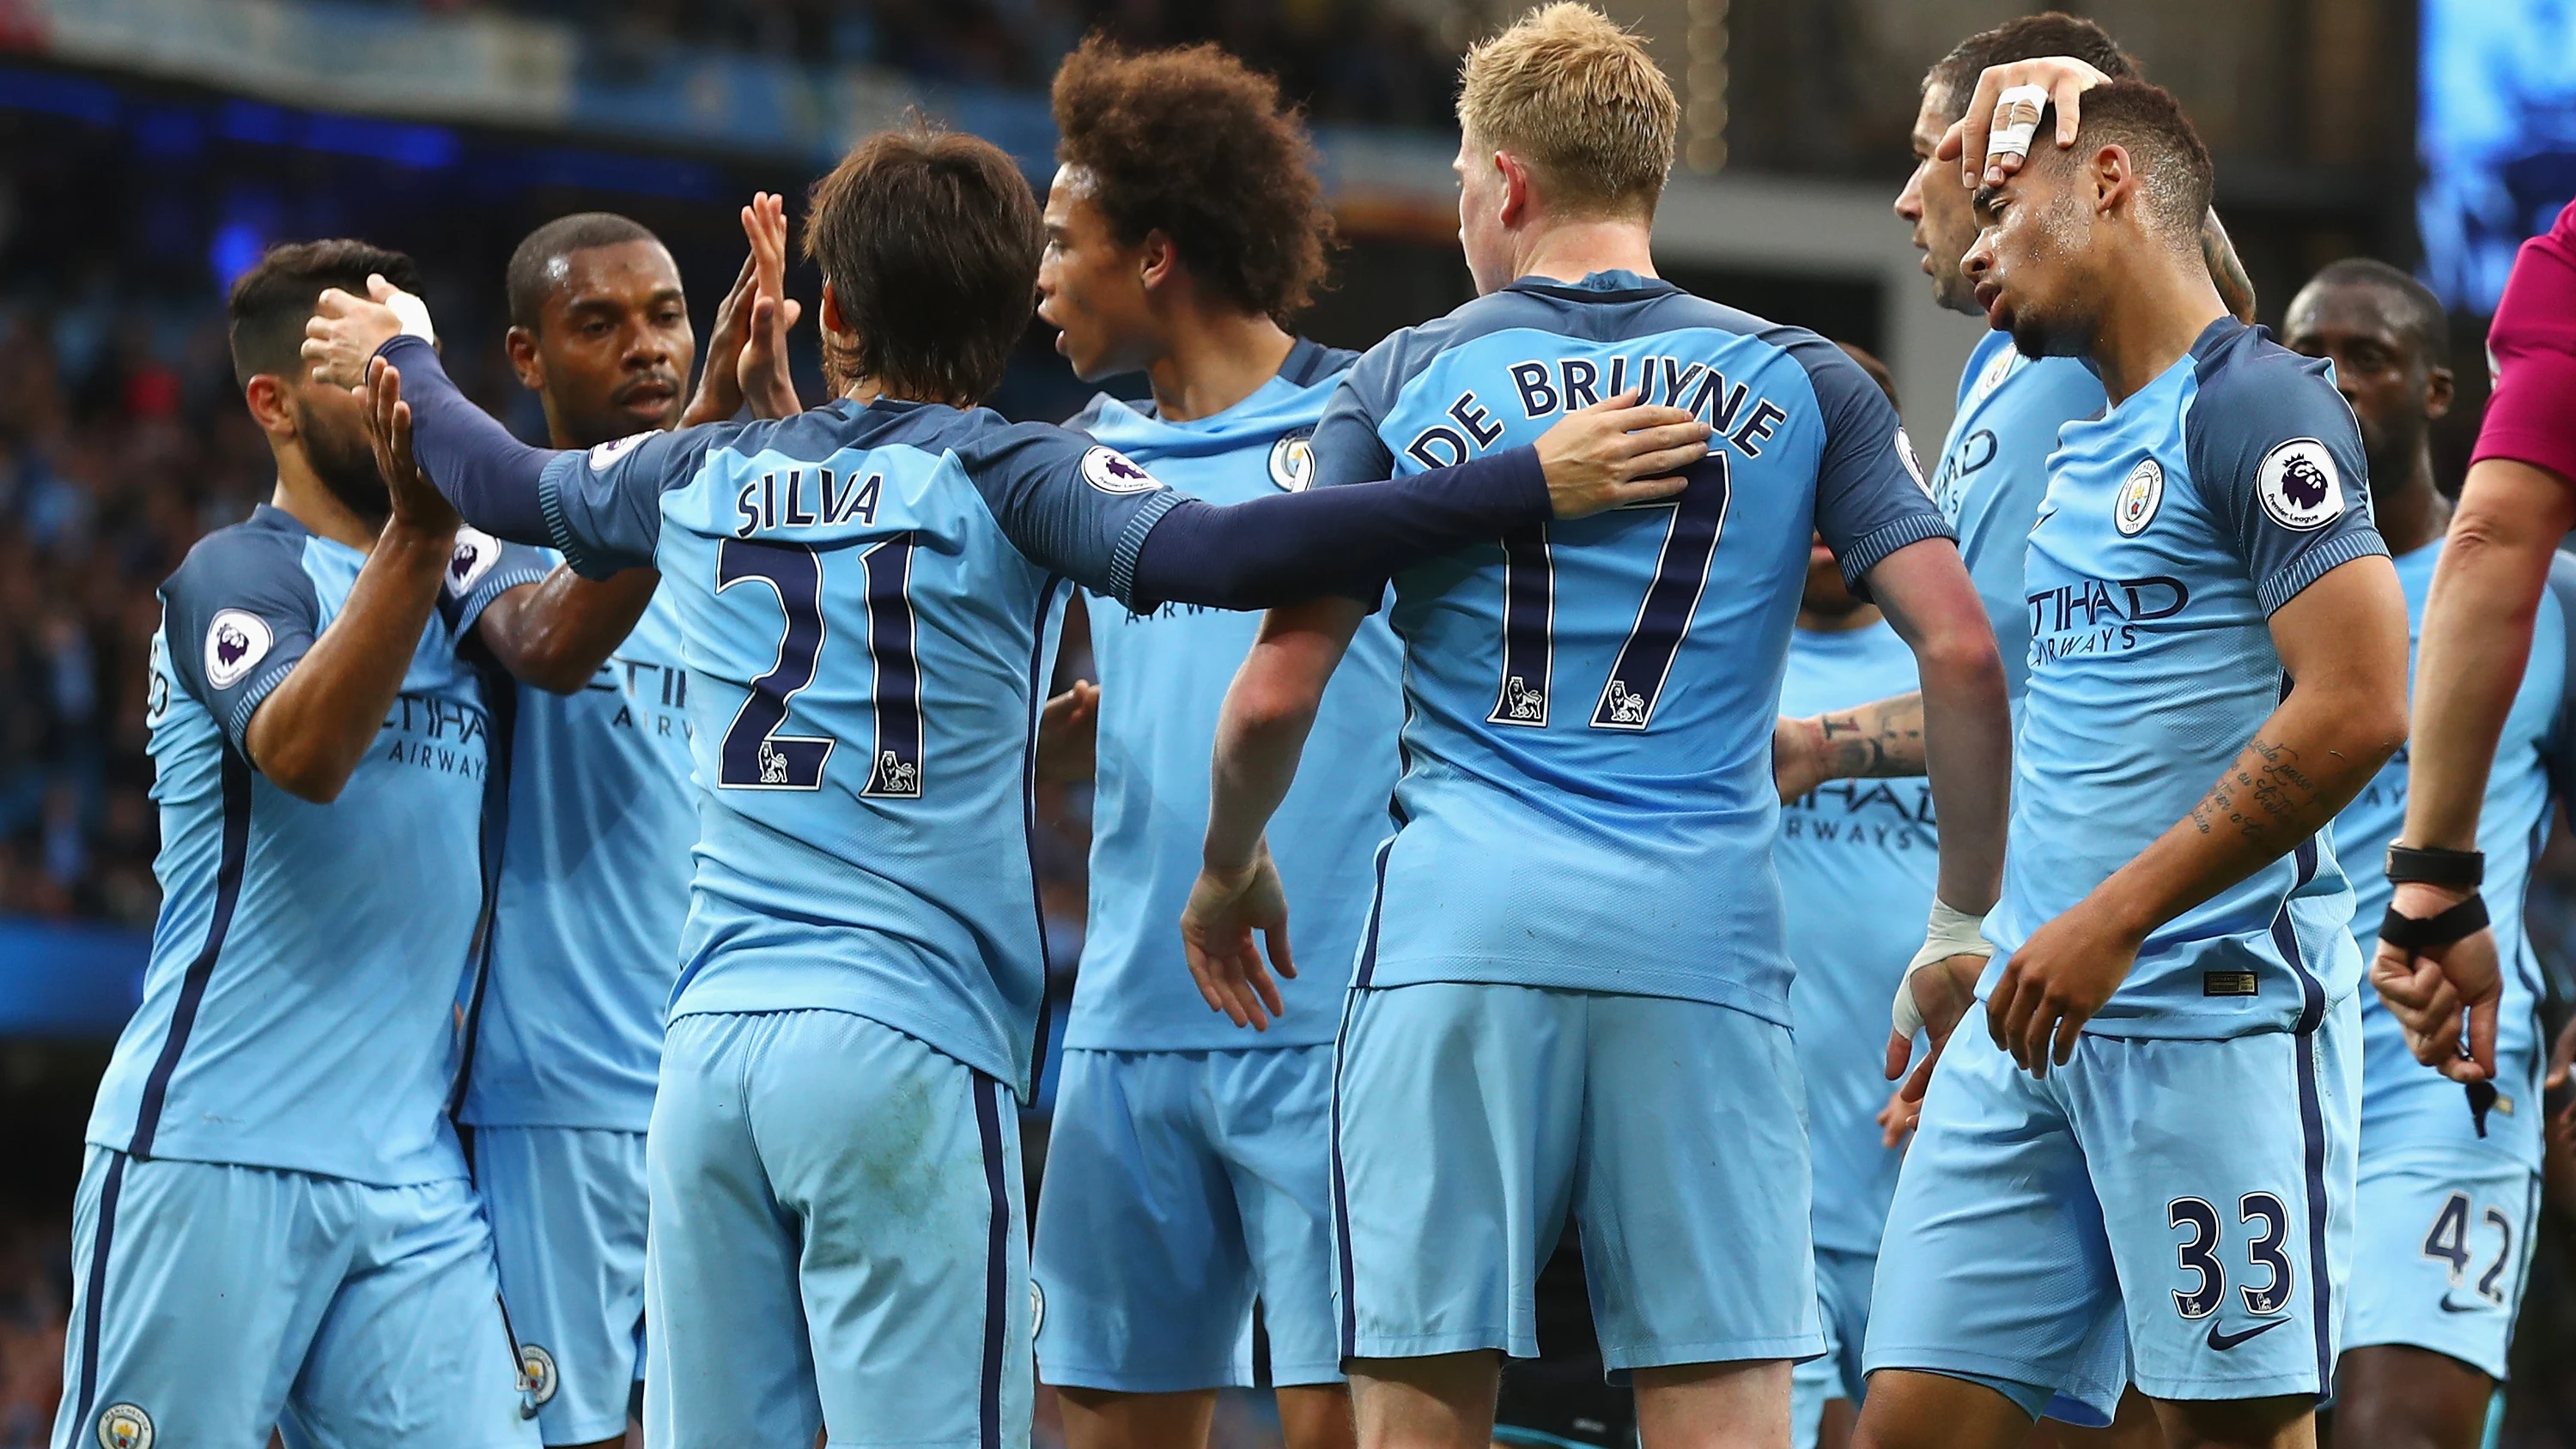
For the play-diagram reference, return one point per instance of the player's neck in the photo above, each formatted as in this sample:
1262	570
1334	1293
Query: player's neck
1211	361
2413	513
305	498
1569	251
2156	311
1838	621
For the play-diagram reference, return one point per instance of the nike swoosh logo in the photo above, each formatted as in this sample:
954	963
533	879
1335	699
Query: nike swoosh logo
2222	1342
2450	1307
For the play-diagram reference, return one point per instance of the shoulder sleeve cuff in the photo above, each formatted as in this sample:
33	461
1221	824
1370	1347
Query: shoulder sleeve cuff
245	704
2315	564
501	581
1874	547
559	529
1131	542
2527	419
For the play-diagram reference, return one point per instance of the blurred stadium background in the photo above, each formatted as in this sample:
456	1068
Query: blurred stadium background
150	149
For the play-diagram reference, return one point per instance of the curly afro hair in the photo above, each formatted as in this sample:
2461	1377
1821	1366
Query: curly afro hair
1194	144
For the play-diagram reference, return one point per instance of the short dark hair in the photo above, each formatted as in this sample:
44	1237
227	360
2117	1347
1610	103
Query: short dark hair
1193	143
2175	179
2420	313
929	241
2032	37
271	301
528	283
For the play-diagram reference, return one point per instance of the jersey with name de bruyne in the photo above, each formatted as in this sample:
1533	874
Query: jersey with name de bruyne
1163	680
1587	799
2174	526
868	597
297	1006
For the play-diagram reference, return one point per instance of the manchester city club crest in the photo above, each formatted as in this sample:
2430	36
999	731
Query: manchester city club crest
1292	460
2140	496
124	1426
537	1380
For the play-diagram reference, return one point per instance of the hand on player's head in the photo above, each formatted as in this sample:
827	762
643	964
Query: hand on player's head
346	330
1993	137
1617	452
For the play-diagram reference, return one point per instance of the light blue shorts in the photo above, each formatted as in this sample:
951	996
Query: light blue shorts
210	1302
1842	1297
2445	1250
1468	1119
2214	1179
1180	1186
838	1241
567	1209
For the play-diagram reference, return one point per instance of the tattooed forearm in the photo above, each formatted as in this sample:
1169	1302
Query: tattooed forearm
2235	288
1875	741
2263	796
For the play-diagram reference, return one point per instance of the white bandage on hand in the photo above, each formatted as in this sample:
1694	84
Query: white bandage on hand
2017	113
1948	933
414	314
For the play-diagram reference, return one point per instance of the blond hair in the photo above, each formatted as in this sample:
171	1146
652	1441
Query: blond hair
1578	98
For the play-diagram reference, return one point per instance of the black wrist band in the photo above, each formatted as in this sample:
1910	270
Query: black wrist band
2414	933
2408	865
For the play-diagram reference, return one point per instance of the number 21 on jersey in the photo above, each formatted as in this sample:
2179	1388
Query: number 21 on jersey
756	753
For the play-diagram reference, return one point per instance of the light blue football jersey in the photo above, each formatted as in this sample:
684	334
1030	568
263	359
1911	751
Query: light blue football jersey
298	1007
868	601
2404	1102
2174	525
1163	678
1857	862
1994	471
594	884
1587	799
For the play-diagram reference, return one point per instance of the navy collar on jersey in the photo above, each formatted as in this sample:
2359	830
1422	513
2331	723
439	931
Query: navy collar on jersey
273	519
2221	332
1610	286
1308	362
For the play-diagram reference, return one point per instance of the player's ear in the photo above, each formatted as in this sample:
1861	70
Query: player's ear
271	406
2113	178
831	320
1158	261
524	358
1515	175
2439	391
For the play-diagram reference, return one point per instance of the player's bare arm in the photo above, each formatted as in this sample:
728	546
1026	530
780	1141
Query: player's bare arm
1069	734
2343	640
2476	640
1260	735
309	735
1876	741
1966	732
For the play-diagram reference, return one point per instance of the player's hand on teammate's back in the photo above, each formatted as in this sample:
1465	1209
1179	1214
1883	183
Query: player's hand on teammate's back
2428	990
2056	981
416	501
1069	734
344	330
1944	990
1216	936
1617	452
1992	138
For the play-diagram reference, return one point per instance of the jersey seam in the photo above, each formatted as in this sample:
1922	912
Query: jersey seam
1874	547
2315	564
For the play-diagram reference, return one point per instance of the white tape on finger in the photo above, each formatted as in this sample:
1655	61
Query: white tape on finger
2017	113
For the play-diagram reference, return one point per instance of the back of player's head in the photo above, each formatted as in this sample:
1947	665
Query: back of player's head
533	273
2416	308
1953	78
2175	178
929	241
271	301
1196	145
1579	99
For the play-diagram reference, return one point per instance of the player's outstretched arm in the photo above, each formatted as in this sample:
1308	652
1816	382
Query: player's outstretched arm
1260	735
1965	729
310	733
555	633
2343	640
2476	640
746	356
1875	741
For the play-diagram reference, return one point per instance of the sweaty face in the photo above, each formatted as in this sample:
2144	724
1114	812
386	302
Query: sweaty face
615	342
1939	208
2026	267
1090	288
331	425
2377	367
1481	194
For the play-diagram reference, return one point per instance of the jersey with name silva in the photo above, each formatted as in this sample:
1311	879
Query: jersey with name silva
2174	526
1994	471
868	603
585	935
1587	799
2402	1100
1857	861
297	1008
1163	678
